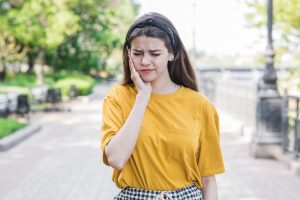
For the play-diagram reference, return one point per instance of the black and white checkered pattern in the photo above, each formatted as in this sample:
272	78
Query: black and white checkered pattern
190	192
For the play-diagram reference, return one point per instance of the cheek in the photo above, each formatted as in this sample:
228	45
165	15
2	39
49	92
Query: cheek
161	64
136	60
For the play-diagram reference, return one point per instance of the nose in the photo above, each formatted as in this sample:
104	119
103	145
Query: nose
145	60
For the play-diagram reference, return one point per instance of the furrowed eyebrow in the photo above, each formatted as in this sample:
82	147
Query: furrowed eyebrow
137	50
155	50
152	51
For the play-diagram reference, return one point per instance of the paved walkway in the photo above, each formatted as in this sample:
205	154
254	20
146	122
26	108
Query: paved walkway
63	162
247	178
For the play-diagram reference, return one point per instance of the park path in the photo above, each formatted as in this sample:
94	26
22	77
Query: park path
63	161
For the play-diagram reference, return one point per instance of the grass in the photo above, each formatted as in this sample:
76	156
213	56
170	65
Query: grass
83	83
9	126
22	83
19	90
21	80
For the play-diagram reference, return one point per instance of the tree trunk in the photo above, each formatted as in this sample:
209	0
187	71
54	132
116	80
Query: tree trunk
31	56
39	69
2	72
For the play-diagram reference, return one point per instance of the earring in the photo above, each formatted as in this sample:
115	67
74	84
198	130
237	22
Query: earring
171	58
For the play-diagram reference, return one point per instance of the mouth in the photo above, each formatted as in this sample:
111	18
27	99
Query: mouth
147	71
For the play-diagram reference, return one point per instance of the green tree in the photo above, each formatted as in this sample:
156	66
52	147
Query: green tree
103	25
66	34
38	25
10	50
286	23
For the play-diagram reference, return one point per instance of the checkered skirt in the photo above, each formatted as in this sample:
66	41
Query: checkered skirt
190	192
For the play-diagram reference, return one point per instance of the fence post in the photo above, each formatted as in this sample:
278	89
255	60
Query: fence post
297	132
284	122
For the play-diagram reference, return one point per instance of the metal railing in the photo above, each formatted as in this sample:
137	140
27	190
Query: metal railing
291	124
235	92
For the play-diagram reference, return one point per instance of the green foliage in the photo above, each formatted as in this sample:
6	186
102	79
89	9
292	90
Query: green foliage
35	26
83	83
9	126
103	27
40	23
55	76
286	14
73	34
18	89
257	15
20	79
22	83
10	50
286	23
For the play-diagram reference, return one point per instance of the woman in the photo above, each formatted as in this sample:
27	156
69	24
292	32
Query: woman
158	133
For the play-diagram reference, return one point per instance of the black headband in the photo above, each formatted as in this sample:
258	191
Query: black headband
150	22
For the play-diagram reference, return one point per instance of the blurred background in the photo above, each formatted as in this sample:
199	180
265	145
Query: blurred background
58	59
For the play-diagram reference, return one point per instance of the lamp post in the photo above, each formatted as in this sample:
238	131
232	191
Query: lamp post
268	111
270	77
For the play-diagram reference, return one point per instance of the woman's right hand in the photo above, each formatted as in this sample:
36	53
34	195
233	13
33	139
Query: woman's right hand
144	88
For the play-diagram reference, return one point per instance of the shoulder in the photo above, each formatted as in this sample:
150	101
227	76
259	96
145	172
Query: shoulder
199	98
121	91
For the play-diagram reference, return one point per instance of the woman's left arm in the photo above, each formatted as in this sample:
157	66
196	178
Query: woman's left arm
209	188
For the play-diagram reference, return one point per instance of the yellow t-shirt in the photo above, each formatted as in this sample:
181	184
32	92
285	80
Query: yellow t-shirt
178	141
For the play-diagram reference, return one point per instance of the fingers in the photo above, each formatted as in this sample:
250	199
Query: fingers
131	65
135	76
133	71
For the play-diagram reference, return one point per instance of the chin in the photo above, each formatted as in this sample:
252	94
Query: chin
148	79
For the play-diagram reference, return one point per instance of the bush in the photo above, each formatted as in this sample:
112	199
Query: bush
19	90
57	75
22	83
83	83
8	126
20	79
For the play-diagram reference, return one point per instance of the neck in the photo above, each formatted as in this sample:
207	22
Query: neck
164	86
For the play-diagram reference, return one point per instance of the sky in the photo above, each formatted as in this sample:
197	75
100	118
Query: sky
220	25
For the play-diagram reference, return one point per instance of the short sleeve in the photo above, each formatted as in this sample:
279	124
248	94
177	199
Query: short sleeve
210	159
112	119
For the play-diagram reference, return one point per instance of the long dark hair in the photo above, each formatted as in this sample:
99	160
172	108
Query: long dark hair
180	69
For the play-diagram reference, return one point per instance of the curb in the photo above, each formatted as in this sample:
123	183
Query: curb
20	135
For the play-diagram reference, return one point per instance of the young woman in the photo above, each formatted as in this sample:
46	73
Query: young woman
159	134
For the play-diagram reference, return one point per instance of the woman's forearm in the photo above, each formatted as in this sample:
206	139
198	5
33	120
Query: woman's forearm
121	146
209	188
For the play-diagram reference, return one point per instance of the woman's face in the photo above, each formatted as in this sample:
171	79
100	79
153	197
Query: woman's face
150	57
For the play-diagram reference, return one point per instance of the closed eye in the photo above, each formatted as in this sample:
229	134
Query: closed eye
138	54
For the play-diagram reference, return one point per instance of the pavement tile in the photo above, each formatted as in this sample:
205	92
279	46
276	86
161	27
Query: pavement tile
64	162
